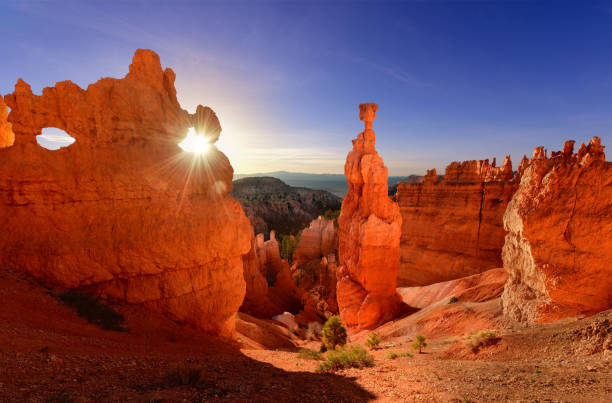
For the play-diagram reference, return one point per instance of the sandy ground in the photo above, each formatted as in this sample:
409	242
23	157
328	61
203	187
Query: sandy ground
48	353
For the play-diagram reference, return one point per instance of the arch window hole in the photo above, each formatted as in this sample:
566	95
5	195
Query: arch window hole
53	138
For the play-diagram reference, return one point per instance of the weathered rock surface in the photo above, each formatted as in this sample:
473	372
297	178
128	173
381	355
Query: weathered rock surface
270	289
369	236
558	249
123	211
453	227
271	204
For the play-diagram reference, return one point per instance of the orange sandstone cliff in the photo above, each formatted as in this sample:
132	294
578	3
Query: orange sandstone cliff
369	236
558	250
123	212
453	227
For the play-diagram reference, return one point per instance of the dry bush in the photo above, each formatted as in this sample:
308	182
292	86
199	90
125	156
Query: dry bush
482	338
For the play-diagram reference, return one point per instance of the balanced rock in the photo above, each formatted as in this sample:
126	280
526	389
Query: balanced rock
369	236
558	249
123	212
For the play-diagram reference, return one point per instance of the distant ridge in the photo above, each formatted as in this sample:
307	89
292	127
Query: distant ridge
333	183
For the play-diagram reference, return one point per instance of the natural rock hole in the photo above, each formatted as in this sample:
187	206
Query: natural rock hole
53	138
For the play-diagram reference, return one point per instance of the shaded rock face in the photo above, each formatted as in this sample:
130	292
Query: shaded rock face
453	227
123	212
271	204
314	267
270	289
369	236
558	249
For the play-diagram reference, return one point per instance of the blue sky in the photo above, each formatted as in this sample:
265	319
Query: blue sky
453	80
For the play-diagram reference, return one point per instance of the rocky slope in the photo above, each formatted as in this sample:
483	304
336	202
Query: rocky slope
124	212
271	204
558	249
369	229
453	227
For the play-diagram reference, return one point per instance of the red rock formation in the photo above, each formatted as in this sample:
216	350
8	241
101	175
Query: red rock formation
453	228
369	234
558	249
270	286
123	211
314	267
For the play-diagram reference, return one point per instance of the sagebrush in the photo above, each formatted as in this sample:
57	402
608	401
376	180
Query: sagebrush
352	357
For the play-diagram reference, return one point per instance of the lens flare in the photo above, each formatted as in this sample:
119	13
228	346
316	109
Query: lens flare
194	143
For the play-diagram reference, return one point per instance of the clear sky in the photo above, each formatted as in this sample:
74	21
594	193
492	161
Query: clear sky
453	80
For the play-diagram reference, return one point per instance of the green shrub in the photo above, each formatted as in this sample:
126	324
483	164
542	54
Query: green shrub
406	354
309	354
392	355
453	300
373	341
93	310
355	357
334	334
420	343
481	339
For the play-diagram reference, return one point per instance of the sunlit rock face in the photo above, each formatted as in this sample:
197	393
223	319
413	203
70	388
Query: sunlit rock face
123	211
558	250
369	236
453	227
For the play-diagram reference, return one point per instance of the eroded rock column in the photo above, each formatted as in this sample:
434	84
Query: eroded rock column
369	235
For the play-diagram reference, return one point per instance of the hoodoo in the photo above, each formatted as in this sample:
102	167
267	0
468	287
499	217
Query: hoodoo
558	250
369	229
123	212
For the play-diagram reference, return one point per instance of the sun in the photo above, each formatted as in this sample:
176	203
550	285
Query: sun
194	143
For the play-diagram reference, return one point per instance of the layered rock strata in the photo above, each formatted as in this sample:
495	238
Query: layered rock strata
558	250
369	236
452	228
272	205
123	211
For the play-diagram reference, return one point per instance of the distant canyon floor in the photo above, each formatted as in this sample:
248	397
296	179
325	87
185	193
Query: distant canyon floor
48	353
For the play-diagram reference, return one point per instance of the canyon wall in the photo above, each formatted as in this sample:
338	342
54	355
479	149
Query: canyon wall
369	229
271	204
123	212
558	249
453	227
